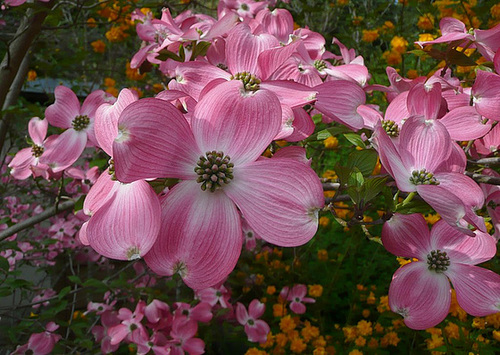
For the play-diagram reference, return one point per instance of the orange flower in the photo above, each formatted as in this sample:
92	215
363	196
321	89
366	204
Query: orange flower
98	46
370	36
32	75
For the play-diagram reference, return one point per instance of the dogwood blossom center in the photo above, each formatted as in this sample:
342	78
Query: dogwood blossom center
423	177
214	170
37	150
320	64
438	261
80	122
391	128
250	81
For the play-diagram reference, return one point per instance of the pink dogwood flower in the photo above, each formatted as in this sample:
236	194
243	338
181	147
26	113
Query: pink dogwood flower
420	291
256	329
297	298
217	158
41	343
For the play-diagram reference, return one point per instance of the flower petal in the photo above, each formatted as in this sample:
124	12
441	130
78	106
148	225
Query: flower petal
200	236
37	129
66	107
421	296
478	289
239	123
407	236
154	140
279	198
64	150
465	124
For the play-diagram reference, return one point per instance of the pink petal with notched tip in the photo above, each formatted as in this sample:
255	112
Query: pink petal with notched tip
64	150
456	162
391	159
154	140
407	236
490	142
460	247
478	289
424	101
243	49
489	38
455	100
241	314
21	164
427	141
486	94
216	53
465	123
303	125
241	124
279	198
370	116
106	119
256	309
340	99
290	93
271	59
297	307
66	107
82	234
141	55
463	186
351	72
452	30
422	296
192	77
93	101
287	120
126	226
222	27
37	129
200	236
99	193
278	22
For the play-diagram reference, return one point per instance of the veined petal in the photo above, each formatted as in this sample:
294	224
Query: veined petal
239	123
478	289
397	110
271	59
37	129
256	309
154	140
290	93
339	99
425	102
428	141
407	236
465	124
93	101
66	107
293	152
99	193
279	198
200	236
303	125
243	48
486	94
126	226
241	314
463	186
106	119
421	296
460	247
64	150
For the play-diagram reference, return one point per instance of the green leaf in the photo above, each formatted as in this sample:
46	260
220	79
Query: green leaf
79	204
164	54
364	160
200	49
182	53
414	206
75	279
95	284
4	264
354	194
356	178
5	291
18	283
100	163
63	292
343	173
317	118
372	187
355	139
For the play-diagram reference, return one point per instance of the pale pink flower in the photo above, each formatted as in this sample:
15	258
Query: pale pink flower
255	328
297	297
420	291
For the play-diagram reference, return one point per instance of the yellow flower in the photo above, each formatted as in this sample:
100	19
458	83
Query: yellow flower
356	20
377	168
496	335
425	37
259	279
479	323
324	221
279	310
350	333
398	323
270	290
287	324
390	338
32	75
494	320
158	87
412	74
378	327
245	289
365	313
315	290
455	309
319	351
342	210
495	11
399	44
342	2
404	261
269	342
371	299
387	26
281	339
297	345
133	74
113	91
330	175
432	218
109	82
364	327
369	36
434	342
360	341
426	22
255	351
91	22
98	46
452	331
373	343
322	255
137	90
116	34
355	352
309	332
392	57
331	143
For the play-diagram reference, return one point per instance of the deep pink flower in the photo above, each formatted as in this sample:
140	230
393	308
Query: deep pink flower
183	332
255	328
217	158
41	343
297	297
420	291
